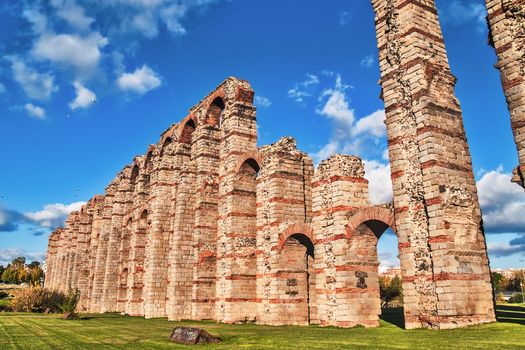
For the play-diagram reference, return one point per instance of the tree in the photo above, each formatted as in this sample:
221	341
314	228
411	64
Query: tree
389	289
499	282
514	283
2	269
18	272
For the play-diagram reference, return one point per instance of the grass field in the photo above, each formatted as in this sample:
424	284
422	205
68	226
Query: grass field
111	331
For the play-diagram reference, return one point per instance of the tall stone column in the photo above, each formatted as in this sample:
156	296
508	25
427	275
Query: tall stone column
506	20
96	226
51	259
236	237
111	274
446	280
206	143
102	250
140	230
338	189
83	245
159	163
285	281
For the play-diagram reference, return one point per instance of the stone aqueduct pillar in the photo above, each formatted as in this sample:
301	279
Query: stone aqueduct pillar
236	233
446	280
338	189
506	20
284	205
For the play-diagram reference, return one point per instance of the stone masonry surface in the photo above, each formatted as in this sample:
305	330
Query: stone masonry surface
206	225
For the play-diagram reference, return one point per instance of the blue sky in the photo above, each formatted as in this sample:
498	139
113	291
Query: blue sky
85	85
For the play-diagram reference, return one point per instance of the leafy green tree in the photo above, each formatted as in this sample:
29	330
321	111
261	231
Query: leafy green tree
389	289
514	283
499	282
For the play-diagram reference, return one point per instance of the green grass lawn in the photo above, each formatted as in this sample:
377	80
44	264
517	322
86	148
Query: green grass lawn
111	331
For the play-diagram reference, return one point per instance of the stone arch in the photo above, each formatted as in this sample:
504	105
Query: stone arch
251	158
150	153
295	276
377	218
297	228
214	112
186	130
165	143
364	230
135	172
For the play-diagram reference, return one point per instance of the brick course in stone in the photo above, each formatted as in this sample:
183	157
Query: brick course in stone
206	225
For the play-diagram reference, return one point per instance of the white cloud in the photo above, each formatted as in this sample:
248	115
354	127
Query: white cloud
71	50
350	134
303	89
53	215
84	98
379	181
36	85
337	106
140	81
261	101
34	111
373	124
367	61
72	13
9	254
502	203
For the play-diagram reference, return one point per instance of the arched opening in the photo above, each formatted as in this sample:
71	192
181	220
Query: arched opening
214	115
187	132
374	244
134	174
167	142
147	162
250	167
296	281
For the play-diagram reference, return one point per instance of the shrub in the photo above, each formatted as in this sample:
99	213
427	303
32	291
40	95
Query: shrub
37	299
500	298
516	298
69	305
3	295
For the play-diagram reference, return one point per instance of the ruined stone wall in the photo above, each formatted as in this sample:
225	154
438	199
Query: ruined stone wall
446	279
506	19
206	225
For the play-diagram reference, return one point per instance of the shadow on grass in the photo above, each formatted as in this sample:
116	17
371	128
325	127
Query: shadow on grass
394	316
510	314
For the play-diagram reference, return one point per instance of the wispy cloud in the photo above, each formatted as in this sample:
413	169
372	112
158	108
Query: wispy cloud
345	17
36	85
465	12
304	88
261	101
368	61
